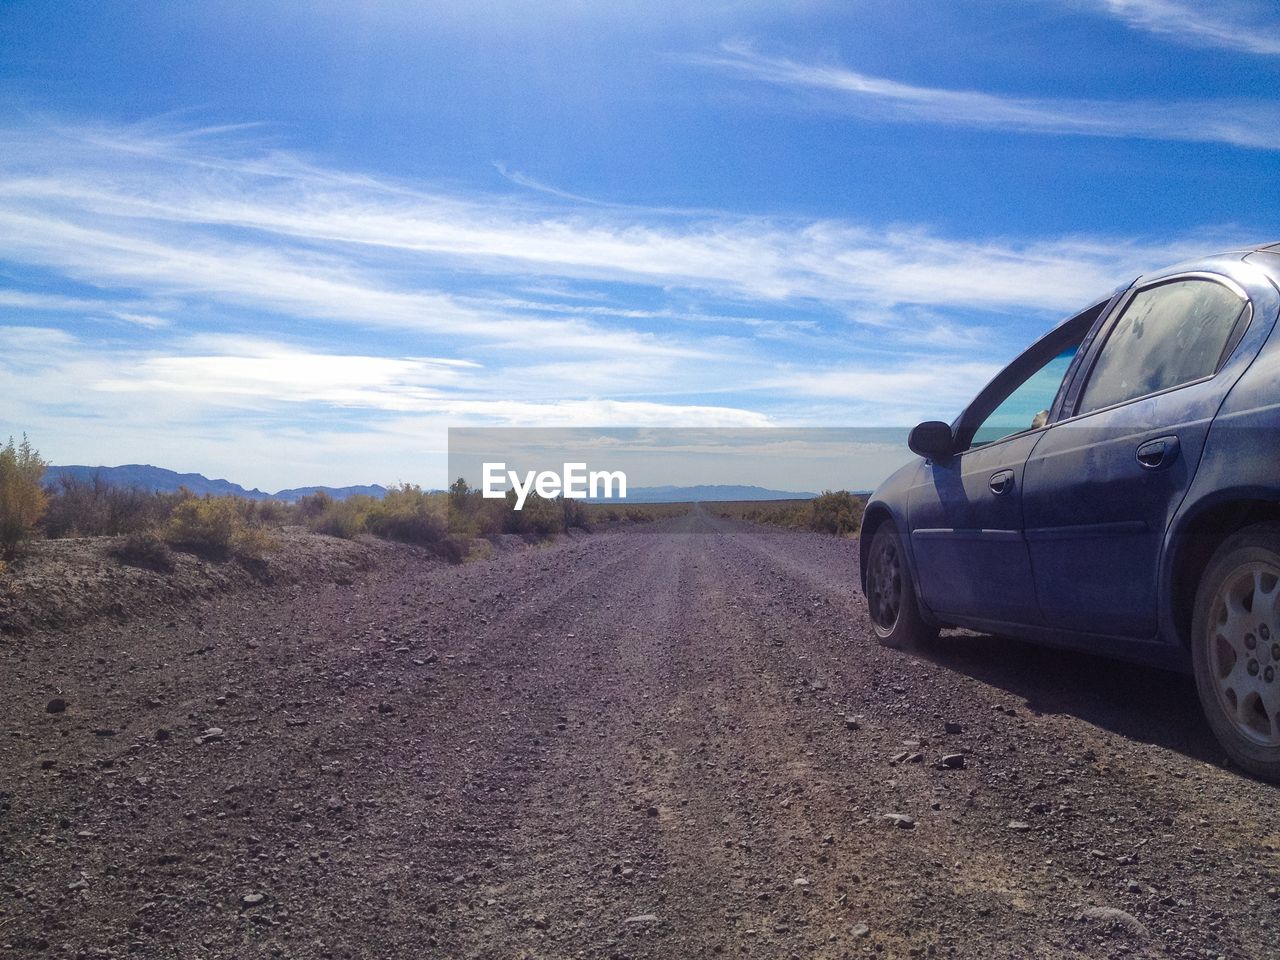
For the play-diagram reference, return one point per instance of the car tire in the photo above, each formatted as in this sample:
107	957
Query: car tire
1235	648
891	596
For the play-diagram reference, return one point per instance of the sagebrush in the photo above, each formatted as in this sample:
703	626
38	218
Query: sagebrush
144	548
220	526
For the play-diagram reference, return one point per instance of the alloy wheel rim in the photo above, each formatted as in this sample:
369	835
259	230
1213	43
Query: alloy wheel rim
886	586
1244	650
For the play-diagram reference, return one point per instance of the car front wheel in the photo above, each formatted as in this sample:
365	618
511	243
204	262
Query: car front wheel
1236	648
891	597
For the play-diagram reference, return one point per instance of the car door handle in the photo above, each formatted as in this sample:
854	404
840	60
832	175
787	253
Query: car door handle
1001	482
1159	453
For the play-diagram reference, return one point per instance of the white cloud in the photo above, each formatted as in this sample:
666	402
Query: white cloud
384	383
1240	122
824	260
603	412
148	320
33	343
1228	24
217	379
260	376
331	246
325	287
53	303
943	384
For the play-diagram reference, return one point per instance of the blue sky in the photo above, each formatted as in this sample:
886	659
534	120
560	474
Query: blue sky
293	243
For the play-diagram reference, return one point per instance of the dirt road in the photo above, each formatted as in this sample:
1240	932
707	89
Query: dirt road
675	743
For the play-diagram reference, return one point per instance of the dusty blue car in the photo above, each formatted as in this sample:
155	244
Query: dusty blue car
1115	489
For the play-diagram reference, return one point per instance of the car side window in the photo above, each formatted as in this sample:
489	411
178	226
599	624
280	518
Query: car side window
1027	407
1169	334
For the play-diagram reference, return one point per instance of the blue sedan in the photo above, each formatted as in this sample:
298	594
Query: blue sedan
1115	489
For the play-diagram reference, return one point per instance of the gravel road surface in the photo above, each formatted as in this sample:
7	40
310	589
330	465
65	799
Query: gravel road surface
679	742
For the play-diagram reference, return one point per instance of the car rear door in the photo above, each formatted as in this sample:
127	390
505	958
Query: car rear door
1103	482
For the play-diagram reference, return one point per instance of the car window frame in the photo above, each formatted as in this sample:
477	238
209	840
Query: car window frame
1085	369
1003	384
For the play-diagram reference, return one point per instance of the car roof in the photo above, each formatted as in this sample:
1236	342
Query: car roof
1271	249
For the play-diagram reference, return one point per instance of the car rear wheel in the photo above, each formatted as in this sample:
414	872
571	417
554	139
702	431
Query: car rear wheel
891	597
1236	648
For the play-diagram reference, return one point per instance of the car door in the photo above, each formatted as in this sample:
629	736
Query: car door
1103	482
965	514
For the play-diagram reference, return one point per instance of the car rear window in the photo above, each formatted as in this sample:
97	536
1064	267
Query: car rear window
1169	335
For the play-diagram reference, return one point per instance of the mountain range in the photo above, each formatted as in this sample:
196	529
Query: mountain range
143	476
146	477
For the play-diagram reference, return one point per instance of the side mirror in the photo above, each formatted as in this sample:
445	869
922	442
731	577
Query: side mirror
932	440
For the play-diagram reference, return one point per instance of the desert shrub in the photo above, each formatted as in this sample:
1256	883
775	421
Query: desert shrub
539	519
208	523
129	510
22	499
75	507
610	512
454	549
218	526
408	514
792	514
313	505
144	548
836	512
543	518
95	508
272	513
251	542
459	494
576	514
341	518
472	516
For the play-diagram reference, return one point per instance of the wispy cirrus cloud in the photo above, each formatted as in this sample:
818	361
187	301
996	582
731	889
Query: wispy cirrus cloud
194	375
1228	24
262	373
148	320
270	230
1240	122
940	384
259	276
138	314
28	344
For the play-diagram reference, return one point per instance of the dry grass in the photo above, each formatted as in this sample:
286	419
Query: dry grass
838	512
